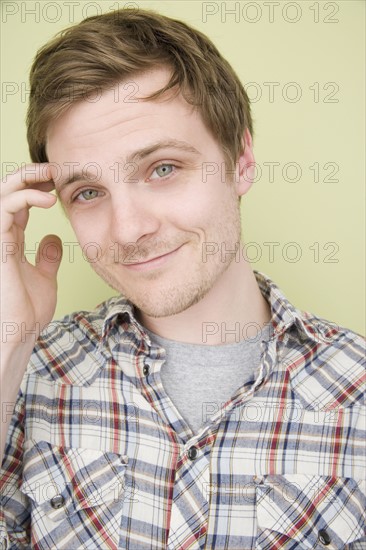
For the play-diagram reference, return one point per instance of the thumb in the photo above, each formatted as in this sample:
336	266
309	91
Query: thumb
49	255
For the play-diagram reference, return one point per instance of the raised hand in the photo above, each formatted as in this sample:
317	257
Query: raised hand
28	292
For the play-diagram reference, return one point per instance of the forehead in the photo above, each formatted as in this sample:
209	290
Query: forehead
123	103
118	125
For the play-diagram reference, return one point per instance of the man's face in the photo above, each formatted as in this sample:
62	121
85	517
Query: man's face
155	194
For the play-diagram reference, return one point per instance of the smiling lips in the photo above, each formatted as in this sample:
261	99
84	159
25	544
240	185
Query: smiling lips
153	263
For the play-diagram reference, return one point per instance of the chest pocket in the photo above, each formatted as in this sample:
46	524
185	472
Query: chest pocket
304	511
76	496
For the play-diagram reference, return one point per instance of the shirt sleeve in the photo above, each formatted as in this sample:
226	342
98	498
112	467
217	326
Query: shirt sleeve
14	505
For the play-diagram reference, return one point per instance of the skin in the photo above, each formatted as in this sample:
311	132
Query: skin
152	217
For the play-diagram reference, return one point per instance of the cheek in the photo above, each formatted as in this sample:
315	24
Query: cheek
203	202
209	207
87	229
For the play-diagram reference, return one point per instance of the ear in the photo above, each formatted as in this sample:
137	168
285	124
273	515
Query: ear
246	165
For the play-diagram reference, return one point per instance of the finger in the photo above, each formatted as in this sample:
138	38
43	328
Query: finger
49	255
21	218
42	186
27	176
14	203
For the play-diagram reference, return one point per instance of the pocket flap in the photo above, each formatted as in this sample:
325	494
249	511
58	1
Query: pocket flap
302	507
62	480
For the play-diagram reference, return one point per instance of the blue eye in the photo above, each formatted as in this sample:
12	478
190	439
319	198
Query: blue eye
163	170
87	195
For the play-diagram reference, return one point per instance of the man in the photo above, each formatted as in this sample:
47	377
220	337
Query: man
108	446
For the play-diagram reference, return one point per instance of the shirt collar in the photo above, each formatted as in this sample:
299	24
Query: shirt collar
283	316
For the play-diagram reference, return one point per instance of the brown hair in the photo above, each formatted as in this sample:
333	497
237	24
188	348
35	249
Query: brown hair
103	50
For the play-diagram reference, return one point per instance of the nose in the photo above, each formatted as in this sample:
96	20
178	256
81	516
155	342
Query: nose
133	218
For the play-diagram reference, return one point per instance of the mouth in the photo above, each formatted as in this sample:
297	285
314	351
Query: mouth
153	263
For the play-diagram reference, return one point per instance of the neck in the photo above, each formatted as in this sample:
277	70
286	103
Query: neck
233	310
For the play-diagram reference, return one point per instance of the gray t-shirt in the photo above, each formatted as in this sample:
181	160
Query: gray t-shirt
200	378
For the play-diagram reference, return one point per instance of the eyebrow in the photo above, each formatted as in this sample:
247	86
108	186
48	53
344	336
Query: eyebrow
136	156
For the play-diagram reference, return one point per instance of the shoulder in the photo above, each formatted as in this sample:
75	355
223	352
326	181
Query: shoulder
67	346
334	335
326	363
81	326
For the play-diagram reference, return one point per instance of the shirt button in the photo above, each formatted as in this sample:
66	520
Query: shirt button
324	537
192	453
57	502
146	370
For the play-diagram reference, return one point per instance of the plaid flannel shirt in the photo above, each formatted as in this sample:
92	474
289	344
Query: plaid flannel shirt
98	457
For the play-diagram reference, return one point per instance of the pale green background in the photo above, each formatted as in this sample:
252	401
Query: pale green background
305	132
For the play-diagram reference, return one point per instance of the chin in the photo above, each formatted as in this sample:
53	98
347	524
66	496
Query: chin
169	301
158	296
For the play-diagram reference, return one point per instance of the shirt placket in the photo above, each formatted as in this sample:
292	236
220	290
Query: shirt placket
187	519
